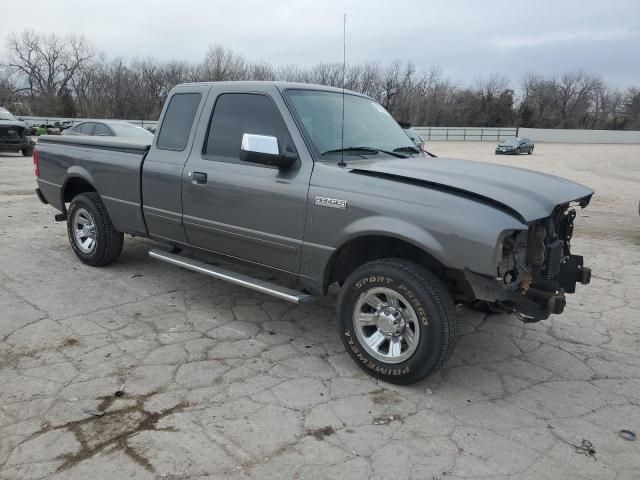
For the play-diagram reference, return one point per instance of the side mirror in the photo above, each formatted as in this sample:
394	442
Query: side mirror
264	150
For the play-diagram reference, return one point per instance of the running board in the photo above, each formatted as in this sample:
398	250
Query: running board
262	286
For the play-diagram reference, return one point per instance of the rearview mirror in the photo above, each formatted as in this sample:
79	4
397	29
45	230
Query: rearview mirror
264	150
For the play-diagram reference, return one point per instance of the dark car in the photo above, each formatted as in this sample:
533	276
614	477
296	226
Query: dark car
515	146
15	136
110	128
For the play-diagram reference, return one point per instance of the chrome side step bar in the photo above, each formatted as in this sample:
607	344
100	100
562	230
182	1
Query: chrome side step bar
262	286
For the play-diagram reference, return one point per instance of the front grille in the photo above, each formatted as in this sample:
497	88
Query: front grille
553	260
10	133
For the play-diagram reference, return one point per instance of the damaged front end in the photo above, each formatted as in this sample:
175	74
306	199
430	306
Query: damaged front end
535	268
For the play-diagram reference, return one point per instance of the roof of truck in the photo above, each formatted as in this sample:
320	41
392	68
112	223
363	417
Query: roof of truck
280	85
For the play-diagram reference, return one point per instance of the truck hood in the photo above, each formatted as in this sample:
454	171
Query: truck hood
525	194
12	123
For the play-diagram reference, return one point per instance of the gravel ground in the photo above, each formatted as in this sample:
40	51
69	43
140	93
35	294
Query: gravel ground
221	382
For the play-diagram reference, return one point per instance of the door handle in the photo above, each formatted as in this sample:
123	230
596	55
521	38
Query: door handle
199	178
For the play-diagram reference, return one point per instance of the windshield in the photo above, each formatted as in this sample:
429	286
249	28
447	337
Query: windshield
131	131
366	122
511	141
7	116
413	135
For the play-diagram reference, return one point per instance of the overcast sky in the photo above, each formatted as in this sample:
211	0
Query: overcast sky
466	39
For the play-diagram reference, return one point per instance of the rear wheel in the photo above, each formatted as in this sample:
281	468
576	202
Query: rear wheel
27	152
92	236
396	320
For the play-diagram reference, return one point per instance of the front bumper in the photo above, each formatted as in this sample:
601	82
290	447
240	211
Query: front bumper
534	303
16	144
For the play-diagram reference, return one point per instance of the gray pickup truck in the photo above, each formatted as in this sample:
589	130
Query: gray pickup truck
320	188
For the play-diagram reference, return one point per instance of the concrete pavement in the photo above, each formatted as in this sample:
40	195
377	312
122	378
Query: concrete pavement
221	382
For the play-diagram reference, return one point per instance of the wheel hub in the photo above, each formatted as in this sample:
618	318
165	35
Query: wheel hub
391	321
386	325
88	231
84	230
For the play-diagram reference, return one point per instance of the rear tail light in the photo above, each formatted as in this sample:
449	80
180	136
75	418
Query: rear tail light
36	163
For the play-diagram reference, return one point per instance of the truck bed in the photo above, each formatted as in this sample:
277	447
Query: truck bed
111	166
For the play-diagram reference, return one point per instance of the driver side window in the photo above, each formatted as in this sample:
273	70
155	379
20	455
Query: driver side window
235	114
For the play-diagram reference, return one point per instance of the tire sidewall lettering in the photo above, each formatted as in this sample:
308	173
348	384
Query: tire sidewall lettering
415	302
374	280
367	362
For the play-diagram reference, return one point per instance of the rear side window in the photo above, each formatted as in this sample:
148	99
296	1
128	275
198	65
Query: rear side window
177	121
238	113
102	130
87	128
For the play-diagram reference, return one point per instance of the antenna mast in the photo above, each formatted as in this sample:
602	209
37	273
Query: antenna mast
344	74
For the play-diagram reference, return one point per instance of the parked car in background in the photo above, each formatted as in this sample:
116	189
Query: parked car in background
110	128
515	146
15	135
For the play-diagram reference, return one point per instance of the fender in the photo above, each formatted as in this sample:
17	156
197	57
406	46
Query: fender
74	172
371	226
395	228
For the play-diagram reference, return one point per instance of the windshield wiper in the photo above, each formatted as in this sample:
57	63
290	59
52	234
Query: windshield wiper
364	149
407	149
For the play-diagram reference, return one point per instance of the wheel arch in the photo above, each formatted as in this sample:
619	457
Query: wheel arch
75	184
366	247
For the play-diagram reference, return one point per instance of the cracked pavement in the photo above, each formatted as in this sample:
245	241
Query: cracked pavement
222	382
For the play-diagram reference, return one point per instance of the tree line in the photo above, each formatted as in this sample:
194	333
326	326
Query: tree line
51	75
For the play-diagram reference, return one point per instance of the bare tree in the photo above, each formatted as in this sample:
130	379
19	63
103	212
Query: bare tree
47	62
49	74
631	106
220	63
7	88
573	94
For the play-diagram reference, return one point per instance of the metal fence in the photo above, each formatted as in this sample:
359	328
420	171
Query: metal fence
473	134
452	134
57	120
477	134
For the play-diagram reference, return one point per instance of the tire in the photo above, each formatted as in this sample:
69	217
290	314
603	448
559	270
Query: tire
530	151
424	308
88	210
26	152
518	151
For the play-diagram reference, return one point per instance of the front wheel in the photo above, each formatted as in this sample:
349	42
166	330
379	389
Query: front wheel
26	152
93	237
530	151
396	320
